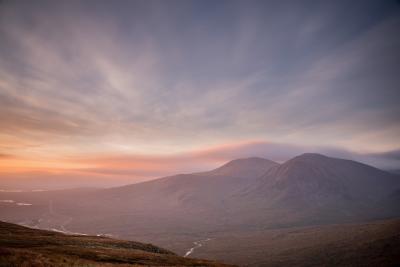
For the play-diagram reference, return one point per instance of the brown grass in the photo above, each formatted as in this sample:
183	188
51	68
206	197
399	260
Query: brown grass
22	246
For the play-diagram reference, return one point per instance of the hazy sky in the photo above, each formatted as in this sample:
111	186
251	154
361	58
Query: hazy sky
146	88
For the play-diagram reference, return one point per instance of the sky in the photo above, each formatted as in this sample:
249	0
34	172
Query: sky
125	91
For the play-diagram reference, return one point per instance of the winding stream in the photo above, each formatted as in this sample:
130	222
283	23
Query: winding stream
197	244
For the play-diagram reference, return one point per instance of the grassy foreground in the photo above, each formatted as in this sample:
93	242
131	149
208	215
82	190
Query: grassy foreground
21	246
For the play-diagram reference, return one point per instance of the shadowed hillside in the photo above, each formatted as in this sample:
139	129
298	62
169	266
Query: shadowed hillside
361	245
316	189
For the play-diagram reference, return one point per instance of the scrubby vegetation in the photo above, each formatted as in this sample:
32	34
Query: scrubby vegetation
21	246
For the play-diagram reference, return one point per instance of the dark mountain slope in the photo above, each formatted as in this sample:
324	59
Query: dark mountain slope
313	188
242	171
206	190
185	201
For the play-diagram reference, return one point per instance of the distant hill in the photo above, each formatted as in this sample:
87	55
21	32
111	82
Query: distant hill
315	189
306	190
22	246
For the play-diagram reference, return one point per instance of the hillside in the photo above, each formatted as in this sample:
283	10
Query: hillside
363	244
315	189
22	246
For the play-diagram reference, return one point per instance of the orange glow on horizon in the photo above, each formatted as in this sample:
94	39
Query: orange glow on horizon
123	164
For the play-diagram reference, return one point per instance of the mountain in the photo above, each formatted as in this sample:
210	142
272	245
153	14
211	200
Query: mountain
22	246
314	173
233	175
254	192
199	193
184	202
314	189
246	168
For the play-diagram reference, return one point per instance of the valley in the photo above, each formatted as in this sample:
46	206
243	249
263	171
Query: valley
248	212
22	246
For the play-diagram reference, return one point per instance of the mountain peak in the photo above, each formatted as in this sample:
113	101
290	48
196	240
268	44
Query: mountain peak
245	167
312	156
255	160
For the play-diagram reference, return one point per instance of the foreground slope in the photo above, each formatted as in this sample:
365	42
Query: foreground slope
362	244
22	246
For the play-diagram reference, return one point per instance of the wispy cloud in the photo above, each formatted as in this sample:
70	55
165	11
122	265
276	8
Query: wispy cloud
163	79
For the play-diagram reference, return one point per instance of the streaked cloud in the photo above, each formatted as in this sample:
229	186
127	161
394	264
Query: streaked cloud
187	84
